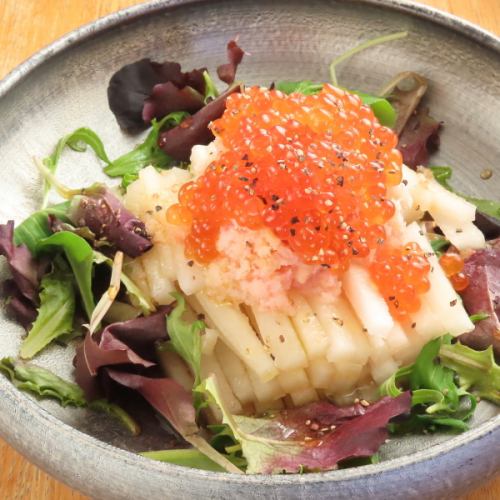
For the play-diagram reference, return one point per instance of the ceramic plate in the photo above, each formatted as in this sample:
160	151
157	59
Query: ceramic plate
64	87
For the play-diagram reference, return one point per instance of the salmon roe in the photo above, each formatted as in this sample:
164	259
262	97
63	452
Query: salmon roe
401	274
314	169
453	265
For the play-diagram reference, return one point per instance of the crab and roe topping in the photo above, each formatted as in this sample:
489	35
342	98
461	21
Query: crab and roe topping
314	170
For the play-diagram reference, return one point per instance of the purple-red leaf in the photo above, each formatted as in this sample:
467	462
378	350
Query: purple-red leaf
178	141
141	334
166	98
108	219
23	267
483	296
93	355
227	72
419	138
130	86
166	396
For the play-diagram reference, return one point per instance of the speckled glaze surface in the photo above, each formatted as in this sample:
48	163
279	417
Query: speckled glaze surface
64	87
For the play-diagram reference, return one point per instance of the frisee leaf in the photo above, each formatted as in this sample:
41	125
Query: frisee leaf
147	153
42	382
80	257
78	141
488	207
438	245
211	91
45	384
56	311
306	87
476	370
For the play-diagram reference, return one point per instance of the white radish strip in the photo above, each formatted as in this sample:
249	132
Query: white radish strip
175	367
157	275
410	353
464	237
136	273
208	341
308	327
294	380
382	364
348	343
347	376
267	406
427	324
397	341
277	332
235	330
265	391
448	207
189	273
235	372
304	396
369	305
441	297
209	365
322	374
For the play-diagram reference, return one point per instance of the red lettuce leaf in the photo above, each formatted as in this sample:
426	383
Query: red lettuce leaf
108	219
419	138
227	72
483	296
166	396
178	141
141	334
130	86
93	355
166	98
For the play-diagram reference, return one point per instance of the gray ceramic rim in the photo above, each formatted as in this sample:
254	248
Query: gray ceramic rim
38	422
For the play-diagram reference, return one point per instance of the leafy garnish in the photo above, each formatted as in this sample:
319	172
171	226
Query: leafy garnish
488	207
148	152
227	72
36	226
476	370
42	382
186	458
306	87
476	318
185	338
80	257
211	91
359	48
438	245
437	400
285	443
175	404
78	141
56	312
45	384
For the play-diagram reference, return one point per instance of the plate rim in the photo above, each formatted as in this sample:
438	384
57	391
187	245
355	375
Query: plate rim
16	404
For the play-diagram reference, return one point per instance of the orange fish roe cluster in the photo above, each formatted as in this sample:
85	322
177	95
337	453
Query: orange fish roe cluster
401	274
315	169
453	265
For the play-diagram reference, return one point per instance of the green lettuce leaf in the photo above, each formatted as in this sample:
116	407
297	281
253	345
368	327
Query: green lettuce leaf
36	226
185	338
186	458
47	385
211	91
147	153
42	382
488	207
306	87
476	370
78	141
80	257
438	245
56	311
